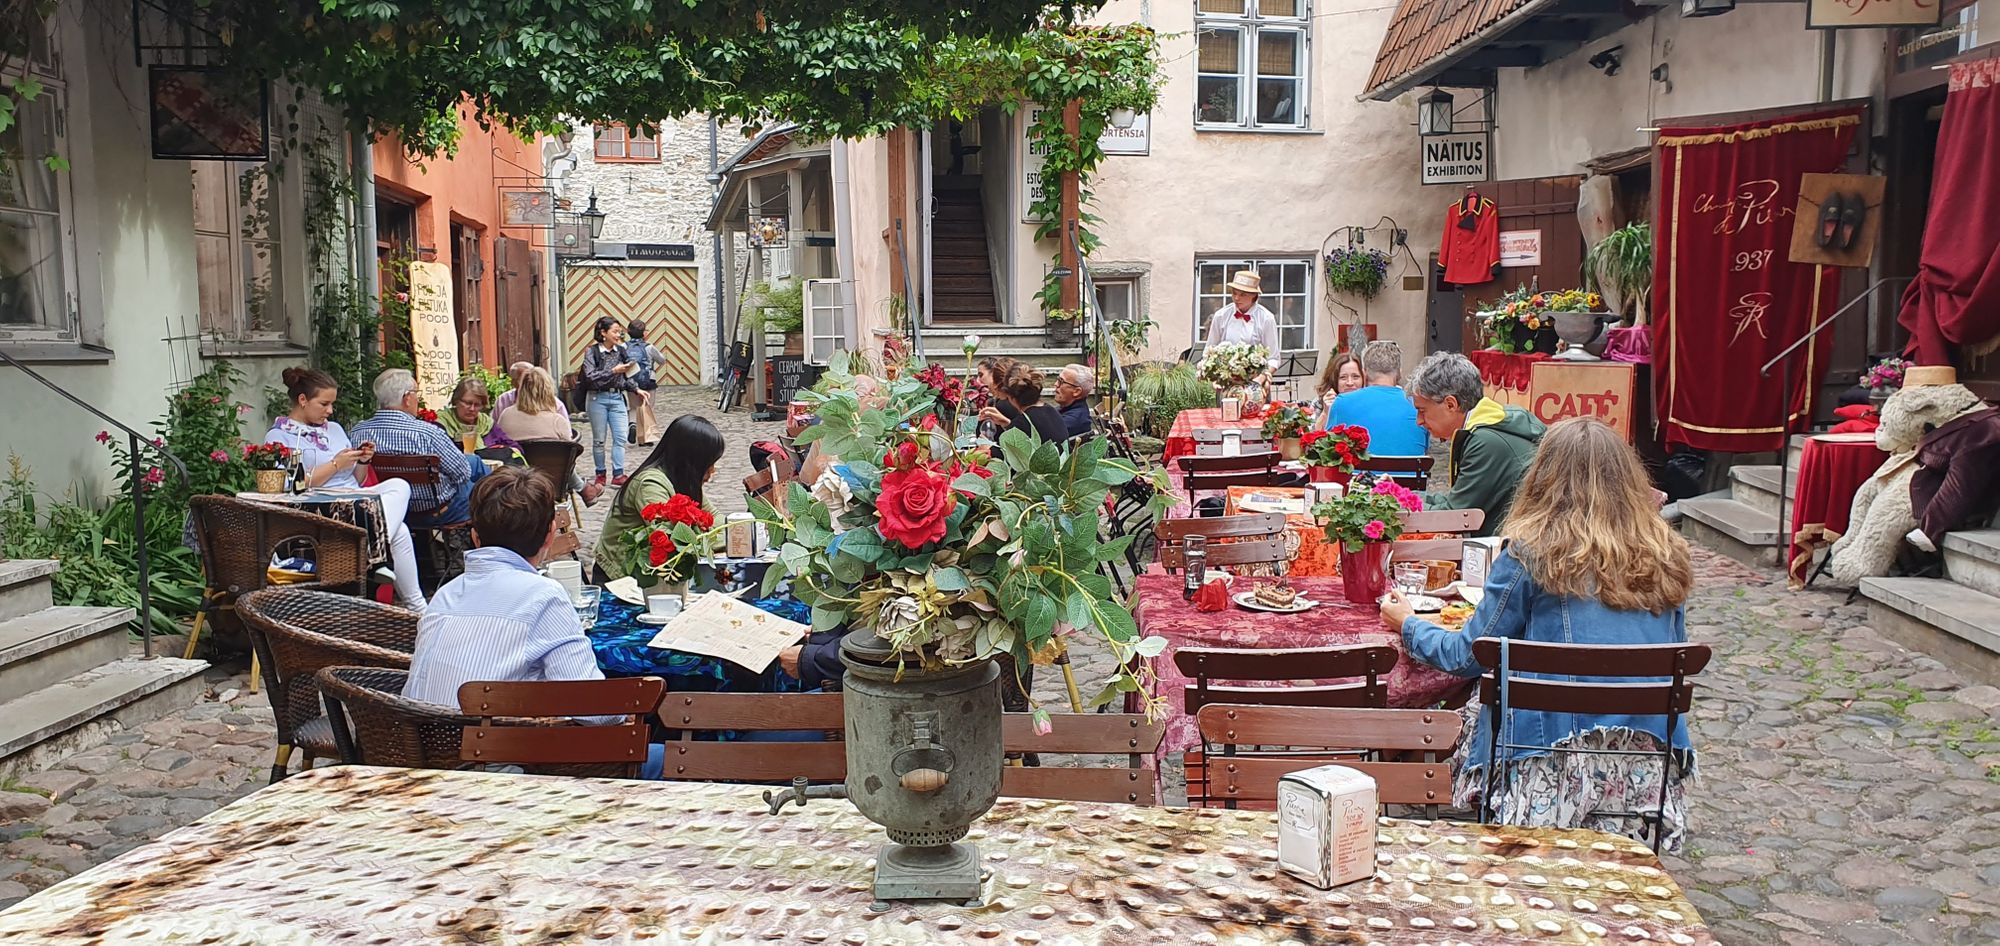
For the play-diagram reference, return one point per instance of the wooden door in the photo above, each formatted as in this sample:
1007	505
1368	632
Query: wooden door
516	286
468	270
1546	204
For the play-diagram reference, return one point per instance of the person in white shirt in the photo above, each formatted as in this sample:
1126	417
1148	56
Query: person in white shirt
501	620
1244	319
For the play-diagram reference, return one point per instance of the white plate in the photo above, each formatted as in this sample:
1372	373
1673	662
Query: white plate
655	620
1248	599
1425	604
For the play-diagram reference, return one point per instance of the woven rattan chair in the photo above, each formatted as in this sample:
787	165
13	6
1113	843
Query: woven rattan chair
300	631
374	724
235	539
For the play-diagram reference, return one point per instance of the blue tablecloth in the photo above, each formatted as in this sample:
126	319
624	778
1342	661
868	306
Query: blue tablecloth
620	642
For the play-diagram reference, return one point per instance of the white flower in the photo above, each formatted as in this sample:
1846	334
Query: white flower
898	616
831	491
971	345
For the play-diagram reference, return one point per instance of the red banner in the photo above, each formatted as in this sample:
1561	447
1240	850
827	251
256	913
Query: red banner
1727	296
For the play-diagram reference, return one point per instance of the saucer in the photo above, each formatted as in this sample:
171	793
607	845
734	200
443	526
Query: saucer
655	620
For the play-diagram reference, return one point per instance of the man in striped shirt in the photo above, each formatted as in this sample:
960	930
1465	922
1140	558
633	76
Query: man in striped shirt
502	620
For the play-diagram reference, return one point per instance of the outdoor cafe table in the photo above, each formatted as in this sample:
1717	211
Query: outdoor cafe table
354	855
623	649
1160	610
352	506
1180	437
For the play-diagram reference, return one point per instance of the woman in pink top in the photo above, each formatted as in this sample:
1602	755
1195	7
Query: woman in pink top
537	415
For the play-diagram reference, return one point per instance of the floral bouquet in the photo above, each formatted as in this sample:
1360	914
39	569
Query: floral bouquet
1287	422
1367	514
950	391
267	456
1233	364
1885	376
1569	300
670	542
1340	447
954	555
1358	270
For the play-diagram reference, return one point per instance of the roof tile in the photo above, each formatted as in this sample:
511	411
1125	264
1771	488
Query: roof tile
1423	30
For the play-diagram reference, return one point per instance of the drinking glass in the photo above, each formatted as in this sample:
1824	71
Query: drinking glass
586	600
1411	577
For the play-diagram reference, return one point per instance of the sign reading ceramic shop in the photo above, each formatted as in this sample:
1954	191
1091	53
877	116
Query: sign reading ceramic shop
1869	14
1136	140
1520	248
1559	390
1463	158
433	333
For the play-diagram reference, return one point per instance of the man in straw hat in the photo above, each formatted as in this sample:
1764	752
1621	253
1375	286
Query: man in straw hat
1244	319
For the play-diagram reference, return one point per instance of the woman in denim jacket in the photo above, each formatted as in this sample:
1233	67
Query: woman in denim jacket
1589	561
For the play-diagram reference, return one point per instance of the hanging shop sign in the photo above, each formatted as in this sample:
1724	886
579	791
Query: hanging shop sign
527	207
1461	158
208	114
1872	14
660	252
1136	140
1520	248
1560	390
433	333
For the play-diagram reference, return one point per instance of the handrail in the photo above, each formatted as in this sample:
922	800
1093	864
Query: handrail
1866	294
1095	328
910	312
139	443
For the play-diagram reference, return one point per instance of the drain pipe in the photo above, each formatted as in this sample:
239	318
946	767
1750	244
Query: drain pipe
715	245
843	249
1827	39
364	211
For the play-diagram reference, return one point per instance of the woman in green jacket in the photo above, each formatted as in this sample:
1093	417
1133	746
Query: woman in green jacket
682	462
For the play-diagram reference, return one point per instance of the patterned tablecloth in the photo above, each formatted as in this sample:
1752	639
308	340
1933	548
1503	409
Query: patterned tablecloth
354	507
1180	437
395	856
1160	609
621	643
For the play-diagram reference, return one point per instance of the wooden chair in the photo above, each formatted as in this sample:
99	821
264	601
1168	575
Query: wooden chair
299	631
1407	472
235	539
771	482
1208	443
1252	468
1628	680
1459	523
425	473
1367	664
1243	539
697	755
1110	734
1356	738
499	739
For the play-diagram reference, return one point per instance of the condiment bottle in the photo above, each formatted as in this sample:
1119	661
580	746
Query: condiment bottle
1194	549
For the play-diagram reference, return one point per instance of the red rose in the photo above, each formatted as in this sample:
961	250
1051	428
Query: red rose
653	512
658	556
682	508
930	422
914	505
660	540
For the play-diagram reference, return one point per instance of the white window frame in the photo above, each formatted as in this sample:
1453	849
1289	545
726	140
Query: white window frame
1129	285
283	240
1249	27
1206	305
824	333
626	136
56	89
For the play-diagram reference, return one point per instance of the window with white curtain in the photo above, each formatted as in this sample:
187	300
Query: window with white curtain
1251	65
1287	293
37	224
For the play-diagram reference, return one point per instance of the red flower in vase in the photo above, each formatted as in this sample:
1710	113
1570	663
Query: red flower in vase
914	505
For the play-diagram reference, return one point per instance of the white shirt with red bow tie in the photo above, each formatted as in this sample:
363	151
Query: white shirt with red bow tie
1255	327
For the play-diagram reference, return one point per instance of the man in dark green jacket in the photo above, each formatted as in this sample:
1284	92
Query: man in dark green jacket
1491	444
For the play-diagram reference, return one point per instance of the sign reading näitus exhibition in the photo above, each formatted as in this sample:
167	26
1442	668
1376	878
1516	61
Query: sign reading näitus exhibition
1463	158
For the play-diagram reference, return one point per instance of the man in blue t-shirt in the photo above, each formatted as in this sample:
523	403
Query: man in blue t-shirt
1382	407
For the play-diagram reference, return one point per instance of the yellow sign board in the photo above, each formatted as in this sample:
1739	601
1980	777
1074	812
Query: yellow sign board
433	333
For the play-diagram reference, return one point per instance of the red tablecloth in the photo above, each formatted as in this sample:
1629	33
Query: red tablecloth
1503	369
1159	608
1180	439
1832	468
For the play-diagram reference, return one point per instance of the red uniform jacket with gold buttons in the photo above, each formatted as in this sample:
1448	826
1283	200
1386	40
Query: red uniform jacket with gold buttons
1470	252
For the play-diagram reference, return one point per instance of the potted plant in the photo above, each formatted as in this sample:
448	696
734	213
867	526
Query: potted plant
1884	378
1364	520
269	462
1129	336
939	558
1358	271
1621	267
669	543
1330	454
1160	392
1060	327
1285	425
781	308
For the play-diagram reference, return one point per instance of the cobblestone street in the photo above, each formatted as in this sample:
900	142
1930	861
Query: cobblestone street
1848	792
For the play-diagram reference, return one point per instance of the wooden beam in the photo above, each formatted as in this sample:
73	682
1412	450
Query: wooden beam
1503	57
1462	77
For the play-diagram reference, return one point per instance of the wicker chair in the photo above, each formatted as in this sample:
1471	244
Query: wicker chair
373	724
236	538
299	631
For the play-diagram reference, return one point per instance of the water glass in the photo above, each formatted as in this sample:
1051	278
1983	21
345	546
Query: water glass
586	600
1411	577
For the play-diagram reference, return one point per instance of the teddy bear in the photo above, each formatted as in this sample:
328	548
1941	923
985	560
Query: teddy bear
1881	516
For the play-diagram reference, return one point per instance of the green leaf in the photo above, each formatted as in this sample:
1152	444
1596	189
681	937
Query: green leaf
1150	647
27	88
827	619
1018	449
972	484
794	559
950	579
1116	623
1098	586
1041	619
1076	610
862	545
1047	459
1114	549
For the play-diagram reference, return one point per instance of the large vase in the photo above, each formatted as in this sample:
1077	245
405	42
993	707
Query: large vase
923	761
1364	575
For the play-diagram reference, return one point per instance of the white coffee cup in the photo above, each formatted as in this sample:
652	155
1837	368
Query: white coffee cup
663	606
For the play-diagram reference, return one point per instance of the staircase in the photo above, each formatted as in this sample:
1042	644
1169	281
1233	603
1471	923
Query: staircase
1745	521
961	266
1955	618
67	680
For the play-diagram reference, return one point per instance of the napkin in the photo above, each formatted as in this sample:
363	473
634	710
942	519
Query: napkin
1213	596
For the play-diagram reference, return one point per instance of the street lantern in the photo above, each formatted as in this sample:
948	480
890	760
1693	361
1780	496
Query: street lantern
1434	116
594	216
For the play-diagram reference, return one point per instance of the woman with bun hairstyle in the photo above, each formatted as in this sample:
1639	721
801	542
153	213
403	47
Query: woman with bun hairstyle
329	459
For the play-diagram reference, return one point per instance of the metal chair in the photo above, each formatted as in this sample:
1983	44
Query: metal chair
1407	472
1089	734
1353	737
298	632
1628	680
1243	539
511	728
235	539
556	460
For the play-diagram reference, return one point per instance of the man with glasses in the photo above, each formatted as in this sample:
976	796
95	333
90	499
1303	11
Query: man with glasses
1073	389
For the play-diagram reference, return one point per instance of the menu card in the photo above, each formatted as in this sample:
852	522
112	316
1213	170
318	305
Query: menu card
721	626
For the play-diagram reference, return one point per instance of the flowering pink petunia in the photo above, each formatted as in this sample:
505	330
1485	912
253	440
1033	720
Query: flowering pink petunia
154	476
104	436
1374	529
219	456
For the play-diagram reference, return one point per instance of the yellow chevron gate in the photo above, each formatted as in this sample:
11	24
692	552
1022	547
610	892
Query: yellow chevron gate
666	297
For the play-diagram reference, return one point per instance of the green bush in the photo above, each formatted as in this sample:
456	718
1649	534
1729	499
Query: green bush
98	551
1160	392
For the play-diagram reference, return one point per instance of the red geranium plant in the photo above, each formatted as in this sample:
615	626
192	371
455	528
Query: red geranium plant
1340	447
669	543
267	456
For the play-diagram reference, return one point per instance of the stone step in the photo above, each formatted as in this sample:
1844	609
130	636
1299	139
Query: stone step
84	710
1972	559
1742	532
25	586
55	643
1959	626
1756	487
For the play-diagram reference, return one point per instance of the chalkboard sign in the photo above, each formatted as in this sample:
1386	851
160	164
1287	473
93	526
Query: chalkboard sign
788	375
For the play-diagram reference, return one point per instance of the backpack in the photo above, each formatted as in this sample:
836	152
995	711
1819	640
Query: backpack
642	379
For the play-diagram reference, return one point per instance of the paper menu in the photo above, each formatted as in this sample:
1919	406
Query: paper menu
721	626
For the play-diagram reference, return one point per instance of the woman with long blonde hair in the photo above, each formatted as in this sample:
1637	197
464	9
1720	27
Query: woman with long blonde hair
1589	560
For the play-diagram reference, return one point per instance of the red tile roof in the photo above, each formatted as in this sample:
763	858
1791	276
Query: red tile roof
1425	31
